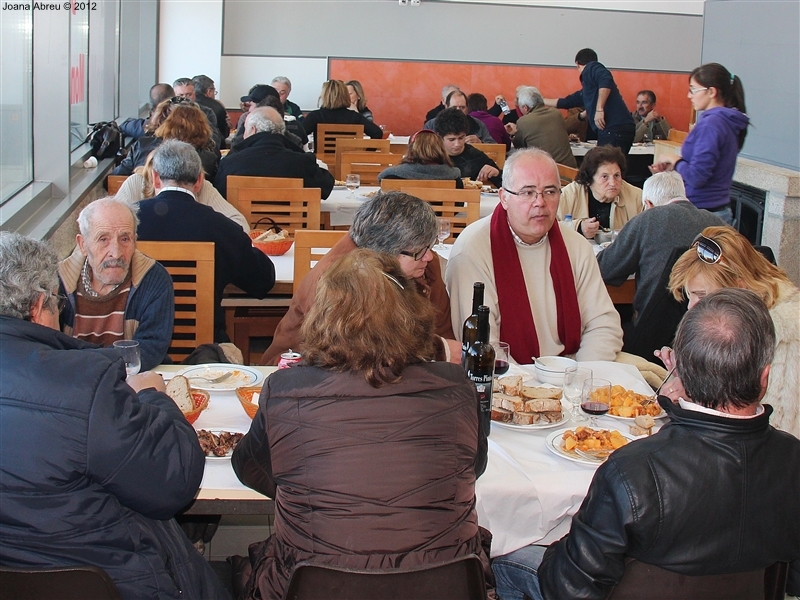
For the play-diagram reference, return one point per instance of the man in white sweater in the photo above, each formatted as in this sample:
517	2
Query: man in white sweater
543	285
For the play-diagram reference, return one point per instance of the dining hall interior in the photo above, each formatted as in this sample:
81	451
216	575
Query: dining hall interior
67	67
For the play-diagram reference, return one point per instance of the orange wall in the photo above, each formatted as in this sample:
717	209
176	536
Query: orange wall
401	92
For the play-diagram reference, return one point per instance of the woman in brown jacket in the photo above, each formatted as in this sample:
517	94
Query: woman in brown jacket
370	450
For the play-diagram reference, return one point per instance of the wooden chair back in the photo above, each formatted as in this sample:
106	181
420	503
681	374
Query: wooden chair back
309	246
396	184
457	579
356	145
290	208
462	207
567	174
497	152
191	266
367	164
675	135
65	583
239	182
325	140
115	182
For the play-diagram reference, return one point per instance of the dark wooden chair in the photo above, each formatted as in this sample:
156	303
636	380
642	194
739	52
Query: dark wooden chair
458	579
67	583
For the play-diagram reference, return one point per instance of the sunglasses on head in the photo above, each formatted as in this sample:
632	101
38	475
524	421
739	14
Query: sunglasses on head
707	249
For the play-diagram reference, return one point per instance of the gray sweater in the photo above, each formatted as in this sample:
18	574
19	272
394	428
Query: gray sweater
646	242
415	171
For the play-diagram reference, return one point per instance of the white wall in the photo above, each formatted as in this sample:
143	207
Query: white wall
189	39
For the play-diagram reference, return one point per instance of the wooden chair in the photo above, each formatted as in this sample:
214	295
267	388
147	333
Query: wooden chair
396	184
462	207
191	266
115	182
308	246
647	582
457	579
567	174
66	583
497	152
290	208
238	182
675	135
367	164
356	145
325	140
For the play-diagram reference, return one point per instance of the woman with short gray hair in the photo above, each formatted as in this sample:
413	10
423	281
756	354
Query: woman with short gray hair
28	273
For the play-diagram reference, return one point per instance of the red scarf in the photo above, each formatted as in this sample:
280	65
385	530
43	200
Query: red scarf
517	326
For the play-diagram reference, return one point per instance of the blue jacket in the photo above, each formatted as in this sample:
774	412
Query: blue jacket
596	76
149	312
91	472
709	157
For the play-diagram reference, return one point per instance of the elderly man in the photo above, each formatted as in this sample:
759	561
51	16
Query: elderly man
646	242
648	121
391	222
477	132
113	291
452	126
92	466
543	286
174	215
206	96
284	87
714	491
184	87
266	152
541	127
134	128
605	109
446	90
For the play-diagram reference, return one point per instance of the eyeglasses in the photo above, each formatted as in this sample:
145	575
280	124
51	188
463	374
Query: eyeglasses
180	100
416	255
61	302
530	194
694	90
393	279
707	250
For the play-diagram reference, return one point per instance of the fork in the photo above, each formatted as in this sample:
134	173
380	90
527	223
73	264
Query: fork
222	377
600	457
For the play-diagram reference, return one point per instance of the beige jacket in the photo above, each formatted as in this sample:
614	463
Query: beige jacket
575	202
784	375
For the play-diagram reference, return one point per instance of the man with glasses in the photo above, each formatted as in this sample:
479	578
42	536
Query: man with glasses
184	88
391	222
543	285
115	292
477	132
206	96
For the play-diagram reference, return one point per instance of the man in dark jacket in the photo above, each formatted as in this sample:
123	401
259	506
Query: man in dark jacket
266	152
174	215
205	93
715	491
92	466
134	128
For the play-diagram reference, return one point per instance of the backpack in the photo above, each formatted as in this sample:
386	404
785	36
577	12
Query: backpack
105	138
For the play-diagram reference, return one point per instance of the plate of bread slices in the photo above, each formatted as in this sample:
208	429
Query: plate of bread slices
523	407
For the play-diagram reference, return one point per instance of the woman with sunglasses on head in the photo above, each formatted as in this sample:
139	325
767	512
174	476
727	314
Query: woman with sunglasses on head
425	158
708	154
723	258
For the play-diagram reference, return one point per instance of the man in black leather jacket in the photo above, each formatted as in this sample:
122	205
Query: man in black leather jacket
716	490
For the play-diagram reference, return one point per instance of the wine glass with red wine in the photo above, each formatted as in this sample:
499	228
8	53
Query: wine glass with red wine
501	357
596	398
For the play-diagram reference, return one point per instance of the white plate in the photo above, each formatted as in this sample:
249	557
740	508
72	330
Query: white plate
242	376
553	443
339	187
213	457
537	426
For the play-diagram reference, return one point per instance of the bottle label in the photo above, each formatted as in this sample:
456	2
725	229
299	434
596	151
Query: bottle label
483	385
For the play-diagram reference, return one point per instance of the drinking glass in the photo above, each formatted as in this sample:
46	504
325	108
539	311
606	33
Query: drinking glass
501	355
596	398
352	182
573	388
129	350
443	230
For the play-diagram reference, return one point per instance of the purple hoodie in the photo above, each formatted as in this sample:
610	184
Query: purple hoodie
494	125
709	157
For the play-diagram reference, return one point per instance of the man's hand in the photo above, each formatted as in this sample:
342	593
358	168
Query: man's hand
148	379
600	120
511	128
472	139
498	99
666	162
487	172
589	227
652	116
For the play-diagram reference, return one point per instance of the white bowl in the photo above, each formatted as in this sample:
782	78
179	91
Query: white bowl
550	369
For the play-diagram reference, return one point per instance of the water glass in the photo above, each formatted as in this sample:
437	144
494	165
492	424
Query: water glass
352	182
129	350
443	230
574	377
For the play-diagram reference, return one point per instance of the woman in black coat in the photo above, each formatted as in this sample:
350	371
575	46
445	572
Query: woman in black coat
335	108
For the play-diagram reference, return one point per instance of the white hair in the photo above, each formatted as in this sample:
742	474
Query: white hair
662	188
529	96
267	119
284	80
86	216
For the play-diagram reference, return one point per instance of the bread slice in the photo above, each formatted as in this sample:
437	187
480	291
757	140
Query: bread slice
178	390
541	405
501	414
645	421
552	417
498	398
510	384
526	418
533	392
513	403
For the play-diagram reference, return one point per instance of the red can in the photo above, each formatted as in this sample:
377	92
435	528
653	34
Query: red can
289	359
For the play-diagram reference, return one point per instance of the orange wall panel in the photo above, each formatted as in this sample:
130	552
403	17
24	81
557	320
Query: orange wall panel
399	93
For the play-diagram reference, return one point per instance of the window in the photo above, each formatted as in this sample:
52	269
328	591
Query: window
78	80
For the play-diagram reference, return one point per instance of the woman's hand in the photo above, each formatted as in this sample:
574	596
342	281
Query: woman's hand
667	356
589	227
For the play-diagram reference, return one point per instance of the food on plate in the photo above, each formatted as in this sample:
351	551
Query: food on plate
627	403
487	189
525	405
643	425
271	236
469	184
178	390
339	183
591	440
369	194
218	444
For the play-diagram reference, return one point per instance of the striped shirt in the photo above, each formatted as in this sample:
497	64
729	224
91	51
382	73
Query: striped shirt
101	320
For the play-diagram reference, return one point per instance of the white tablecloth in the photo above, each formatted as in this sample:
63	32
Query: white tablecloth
527	494
581	148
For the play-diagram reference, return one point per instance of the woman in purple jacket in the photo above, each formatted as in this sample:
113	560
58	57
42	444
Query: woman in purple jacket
710	150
